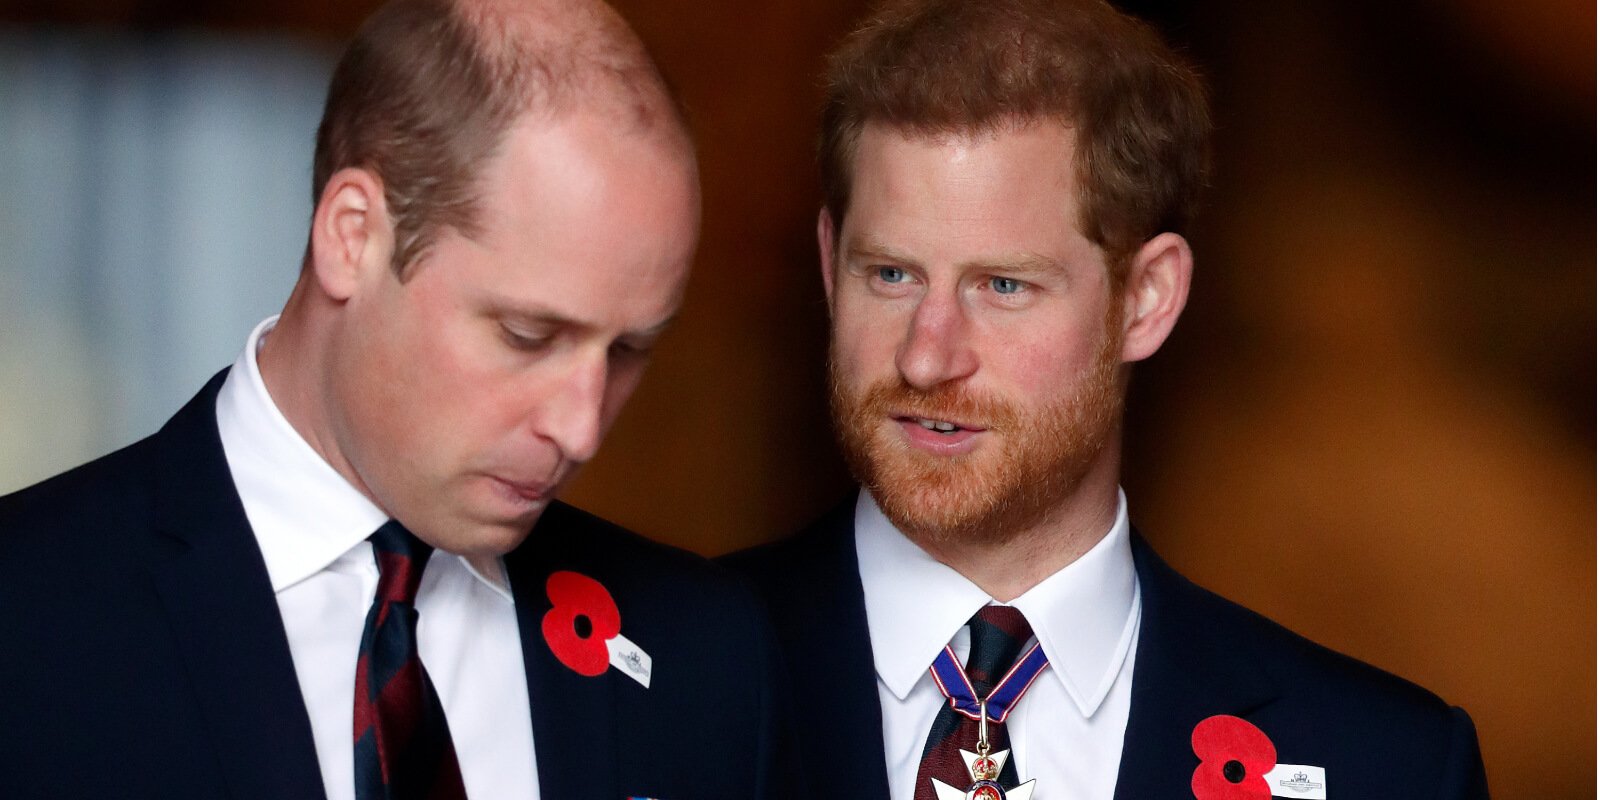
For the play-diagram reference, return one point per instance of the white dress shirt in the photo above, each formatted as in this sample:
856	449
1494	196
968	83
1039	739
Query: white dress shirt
312	526
1066	732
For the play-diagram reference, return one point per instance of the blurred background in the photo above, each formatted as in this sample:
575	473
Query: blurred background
1375	423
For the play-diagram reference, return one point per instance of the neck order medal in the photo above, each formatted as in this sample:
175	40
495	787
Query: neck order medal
985	772
984	766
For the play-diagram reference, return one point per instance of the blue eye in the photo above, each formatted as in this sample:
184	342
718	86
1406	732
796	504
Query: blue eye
1005	285
891	274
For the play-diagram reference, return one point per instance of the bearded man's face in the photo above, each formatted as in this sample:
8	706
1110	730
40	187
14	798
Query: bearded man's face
976	333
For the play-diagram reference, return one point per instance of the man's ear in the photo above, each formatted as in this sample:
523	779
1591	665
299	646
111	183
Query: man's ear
826	240
351	234
1154	294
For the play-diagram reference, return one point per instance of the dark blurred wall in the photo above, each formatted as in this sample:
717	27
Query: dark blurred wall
1375	423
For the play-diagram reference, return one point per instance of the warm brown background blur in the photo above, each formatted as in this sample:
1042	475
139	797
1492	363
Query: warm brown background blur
1376	420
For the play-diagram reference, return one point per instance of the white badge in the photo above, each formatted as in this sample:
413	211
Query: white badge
1299	781
630	658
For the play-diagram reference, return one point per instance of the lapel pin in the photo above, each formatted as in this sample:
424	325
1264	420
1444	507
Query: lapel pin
1235	758
584	629
1239	762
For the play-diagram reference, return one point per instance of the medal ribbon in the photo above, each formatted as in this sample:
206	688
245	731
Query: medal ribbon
952	680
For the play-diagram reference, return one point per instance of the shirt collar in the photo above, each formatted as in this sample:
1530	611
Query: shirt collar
304	513
1085	615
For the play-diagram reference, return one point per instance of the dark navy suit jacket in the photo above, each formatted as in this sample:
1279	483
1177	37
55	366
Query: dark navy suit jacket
1198	655
142	654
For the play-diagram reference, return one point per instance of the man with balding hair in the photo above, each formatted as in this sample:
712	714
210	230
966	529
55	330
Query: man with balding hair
1007	187
341	571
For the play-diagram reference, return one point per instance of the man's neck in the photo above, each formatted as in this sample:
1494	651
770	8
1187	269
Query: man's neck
1007	567
290	365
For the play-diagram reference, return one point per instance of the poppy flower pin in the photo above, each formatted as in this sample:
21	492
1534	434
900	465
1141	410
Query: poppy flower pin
1235	758
584	629
1239	762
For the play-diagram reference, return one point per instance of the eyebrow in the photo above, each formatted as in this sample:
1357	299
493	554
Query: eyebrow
545	317
1015	263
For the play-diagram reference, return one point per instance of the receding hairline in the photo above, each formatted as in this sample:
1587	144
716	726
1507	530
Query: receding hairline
428	90
574	55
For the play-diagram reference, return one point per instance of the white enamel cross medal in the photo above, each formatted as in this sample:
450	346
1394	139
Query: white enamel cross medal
985	772
984	768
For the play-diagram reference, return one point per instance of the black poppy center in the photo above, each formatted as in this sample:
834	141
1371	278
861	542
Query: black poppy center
1233	771
583	627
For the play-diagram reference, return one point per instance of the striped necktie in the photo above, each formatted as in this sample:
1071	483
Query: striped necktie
998	634
402	743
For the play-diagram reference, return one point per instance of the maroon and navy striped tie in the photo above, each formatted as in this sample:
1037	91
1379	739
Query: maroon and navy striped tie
998	634
402	743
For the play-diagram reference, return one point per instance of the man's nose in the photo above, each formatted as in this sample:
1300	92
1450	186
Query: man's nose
571	416
938	346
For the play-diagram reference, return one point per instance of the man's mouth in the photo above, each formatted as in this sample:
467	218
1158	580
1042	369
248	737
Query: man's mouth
943	426
529	491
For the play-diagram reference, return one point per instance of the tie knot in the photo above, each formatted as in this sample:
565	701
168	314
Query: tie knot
998	634
401	556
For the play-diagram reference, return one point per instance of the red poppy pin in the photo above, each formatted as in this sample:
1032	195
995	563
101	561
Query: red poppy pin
1235	758
584	629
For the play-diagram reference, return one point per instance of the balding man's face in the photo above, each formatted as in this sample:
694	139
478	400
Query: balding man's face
468	396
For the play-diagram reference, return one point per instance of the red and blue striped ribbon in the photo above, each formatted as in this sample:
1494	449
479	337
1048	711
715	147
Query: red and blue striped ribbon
952	680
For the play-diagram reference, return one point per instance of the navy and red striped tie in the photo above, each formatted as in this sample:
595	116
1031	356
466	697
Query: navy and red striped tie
402	743
998	634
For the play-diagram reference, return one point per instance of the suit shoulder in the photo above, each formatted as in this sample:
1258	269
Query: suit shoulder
643	563
1311	673
773	561
119	486
1381	722
85	526
83	499
779	567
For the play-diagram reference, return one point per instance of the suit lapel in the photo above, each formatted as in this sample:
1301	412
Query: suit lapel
224	616
835	679
574	717
1183	673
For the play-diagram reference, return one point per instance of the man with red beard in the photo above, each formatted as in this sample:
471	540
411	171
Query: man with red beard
1007	187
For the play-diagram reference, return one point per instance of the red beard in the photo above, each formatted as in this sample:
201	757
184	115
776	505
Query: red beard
1031	462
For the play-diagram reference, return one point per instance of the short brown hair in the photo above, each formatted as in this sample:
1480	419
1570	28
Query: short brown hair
939	67
427	90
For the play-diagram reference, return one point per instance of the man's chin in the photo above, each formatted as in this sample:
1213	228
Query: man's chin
972	500
490	519
939	510
483	537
